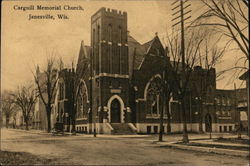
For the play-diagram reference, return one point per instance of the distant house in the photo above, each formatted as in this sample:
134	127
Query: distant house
40	115
243	103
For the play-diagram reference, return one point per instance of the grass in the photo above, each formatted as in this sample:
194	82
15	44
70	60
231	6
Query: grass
22	158
233	140
216	146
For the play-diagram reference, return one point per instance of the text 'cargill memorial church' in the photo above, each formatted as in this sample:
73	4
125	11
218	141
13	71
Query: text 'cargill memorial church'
119	82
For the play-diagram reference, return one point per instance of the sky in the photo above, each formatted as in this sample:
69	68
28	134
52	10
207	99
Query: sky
26	43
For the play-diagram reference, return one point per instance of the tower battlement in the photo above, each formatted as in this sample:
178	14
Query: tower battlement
109	12
115	12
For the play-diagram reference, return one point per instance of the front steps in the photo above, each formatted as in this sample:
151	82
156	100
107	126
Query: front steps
121	129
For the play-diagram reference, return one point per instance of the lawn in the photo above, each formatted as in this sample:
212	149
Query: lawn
22	158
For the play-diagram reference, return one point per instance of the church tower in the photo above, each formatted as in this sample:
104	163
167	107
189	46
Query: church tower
109	68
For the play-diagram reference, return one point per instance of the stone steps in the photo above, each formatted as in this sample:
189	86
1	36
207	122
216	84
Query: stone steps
121	129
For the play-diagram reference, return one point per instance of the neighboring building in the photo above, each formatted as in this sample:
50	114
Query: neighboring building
40	116
242	108
64	102
244	103
226	104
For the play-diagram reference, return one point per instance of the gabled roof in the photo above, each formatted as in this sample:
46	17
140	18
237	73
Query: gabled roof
84	56
137	51
84	53
148	44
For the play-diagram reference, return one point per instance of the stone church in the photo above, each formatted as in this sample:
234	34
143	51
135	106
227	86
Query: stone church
119	82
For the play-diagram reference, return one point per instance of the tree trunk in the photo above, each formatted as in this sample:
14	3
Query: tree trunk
73	124
185	134
49	119
169	118
161	121
26	123
7	122
201	117
14	123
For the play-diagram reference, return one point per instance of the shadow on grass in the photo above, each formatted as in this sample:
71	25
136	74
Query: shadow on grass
22	158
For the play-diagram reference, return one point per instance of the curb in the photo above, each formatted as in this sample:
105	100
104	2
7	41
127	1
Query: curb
229	152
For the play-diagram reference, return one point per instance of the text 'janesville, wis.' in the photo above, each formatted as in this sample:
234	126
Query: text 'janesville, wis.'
48	8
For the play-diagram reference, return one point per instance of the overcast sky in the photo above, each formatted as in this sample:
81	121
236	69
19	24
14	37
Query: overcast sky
26	43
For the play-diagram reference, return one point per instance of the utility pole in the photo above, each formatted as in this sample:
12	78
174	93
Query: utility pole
163	91
182	15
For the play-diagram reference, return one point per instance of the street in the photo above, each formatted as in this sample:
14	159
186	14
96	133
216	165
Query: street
108	150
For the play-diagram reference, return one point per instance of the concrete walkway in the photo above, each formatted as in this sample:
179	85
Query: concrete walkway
225	148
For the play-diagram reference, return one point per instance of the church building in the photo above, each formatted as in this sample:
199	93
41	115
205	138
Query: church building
119	84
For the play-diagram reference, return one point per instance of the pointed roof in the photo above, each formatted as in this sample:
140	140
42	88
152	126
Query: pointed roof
137	51
84	55
148	44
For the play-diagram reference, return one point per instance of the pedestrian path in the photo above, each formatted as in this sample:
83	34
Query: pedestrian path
211	142
223	148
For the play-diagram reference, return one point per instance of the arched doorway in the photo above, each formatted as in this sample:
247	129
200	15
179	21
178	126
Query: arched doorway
208	123
115	111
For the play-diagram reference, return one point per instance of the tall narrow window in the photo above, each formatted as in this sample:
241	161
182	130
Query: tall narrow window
93	37
109	32
120	34
98	34
110	48
120	51
98	49
93	50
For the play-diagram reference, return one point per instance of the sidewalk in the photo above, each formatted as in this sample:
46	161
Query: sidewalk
209	146
32	131
43	132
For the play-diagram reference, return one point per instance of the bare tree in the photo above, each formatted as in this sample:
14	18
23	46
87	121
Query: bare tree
181	76
46	81
8	106
209	57
167	90
25	98
229	18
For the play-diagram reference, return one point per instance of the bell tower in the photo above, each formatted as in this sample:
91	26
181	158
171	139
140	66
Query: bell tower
109	67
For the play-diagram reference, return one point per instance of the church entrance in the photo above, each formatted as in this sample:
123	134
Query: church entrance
208	123
115	111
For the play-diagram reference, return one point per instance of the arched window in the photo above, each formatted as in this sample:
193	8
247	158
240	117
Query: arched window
228	101
61	91
153	97
223	100
82	109
217	100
